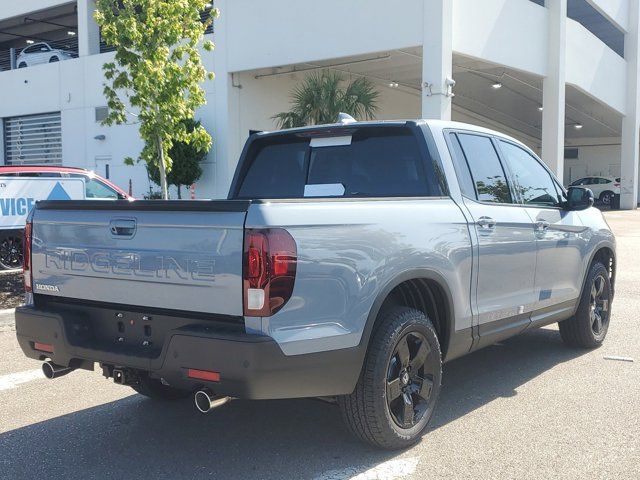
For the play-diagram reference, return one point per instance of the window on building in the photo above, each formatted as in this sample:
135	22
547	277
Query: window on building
33	139
486	169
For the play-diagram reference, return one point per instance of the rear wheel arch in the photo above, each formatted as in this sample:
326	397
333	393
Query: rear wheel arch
604	253
607	257
423	289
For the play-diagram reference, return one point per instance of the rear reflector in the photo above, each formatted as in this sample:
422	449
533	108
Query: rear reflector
43	347
203	375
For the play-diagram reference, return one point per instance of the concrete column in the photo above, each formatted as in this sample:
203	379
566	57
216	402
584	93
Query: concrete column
88	30
437	59
226	133
553	90
630	123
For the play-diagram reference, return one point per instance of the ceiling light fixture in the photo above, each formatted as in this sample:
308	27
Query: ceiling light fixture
577	126
393	85
29	42
540	109
496	86
71	33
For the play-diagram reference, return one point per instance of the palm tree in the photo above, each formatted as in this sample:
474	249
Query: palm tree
322	96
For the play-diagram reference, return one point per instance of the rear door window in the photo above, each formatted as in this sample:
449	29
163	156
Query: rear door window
376	162
462	169
487	172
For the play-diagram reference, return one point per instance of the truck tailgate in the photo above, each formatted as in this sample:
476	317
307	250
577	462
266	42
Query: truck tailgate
175	255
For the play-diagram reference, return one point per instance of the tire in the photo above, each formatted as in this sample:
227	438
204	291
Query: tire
22	65
366	411
606	197
54	59
588	327
155	389
10	252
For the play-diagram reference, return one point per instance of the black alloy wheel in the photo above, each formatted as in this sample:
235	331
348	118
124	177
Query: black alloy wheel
599	305
589	325
399	384
410	380
10	252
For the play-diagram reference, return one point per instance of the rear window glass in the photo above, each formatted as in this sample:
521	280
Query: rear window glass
277	171
379	162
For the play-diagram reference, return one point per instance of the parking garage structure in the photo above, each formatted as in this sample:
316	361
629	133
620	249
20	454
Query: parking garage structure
559	75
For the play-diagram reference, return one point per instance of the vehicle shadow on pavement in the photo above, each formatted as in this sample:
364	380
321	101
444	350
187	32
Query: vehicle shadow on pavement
139	438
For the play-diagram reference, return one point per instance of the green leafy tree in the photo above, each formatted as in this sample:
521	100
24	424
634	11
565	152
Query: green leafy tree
157	70
186	157
323	95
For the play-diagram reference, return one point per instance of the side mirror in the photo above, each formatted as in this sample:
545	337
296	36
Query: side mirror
579	198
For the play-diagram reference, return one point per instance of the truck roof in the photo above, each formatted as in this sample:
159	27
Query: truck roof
41	168
433	125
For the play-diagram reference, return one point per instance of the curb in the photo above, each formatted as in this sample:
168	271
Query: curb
12	271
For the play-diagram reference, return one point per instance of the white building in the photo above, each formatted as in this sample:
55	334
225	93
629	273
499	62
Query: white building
560	75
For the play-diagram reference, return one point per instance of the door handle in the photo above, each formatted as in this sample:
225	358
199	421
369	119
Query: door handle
486	223
542	226
122	227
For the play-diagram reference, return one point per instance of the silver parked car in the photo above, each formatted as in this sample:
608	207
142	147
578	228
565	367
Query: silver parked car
41	53
604	188
349	261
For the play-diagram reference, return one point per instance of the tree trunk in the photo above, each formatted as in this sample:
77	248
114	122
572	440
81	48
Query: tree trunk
163	171
179	193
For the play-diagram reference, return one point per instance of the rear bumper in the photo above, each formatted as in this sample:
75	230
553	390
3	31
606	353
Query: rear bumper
250	366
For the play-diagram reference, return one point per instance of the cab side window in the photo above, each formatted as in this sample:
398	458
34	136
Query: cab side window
533	183
486	170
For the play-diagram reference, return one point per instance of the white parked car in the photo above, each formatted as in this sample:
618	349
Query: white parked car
41	53
603	188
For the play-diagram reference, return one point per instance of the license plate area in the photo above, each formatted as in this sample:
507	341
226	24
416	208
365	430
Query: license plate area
131	331
117	332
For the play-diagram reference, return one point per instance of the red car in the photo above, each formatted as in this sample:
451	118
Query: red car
96	188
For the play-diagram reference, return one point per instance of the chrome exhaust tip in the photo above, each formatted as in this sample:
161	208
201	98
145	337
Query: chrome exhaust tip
206	400
51	370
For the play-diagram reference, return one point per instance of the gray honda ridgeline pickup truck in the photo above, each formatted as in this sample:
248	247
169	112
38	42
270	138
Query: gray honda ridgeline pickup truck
349	261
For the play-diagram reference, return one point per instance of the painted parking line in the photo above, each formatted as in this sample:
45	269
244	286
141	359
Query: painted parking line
390	470
12	380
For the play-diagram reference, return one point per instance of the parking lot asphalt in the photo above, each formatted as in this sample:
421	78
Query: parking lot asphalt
525	408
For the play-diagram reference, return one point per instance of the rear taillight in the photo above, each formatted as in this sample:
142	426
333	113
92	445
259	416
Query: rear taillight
269	270
26	255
